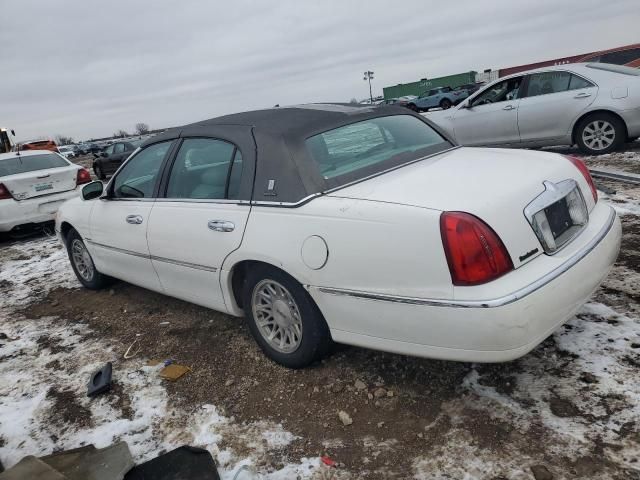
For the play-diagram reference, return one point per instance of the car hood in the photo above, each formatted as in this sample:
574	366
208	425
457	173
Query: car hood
492	184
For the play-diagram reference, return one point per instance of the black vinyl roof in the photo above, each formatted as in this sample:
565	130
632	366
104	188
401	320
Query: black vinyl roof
297	118
272	143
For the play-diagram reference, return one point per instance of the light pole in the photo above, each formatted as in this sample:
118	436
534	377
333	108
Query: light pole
368	75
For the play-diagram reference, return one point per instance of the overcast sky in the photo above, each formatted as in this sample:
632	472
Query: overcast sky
89	68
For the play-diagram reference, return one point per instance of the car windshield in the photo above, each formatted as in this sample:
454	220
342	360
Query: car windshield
30	163
615	68
361	149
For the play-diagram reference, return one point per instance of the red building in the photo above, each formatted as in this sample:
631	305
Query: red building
628	55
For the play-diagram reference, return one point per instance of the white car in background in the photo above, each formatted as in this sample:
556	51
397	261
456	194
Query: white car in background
67	152
593	105
361	225
33	184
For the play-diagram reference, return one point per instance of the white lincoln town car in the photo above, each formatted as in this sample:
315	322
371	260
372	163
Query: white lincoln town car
356	224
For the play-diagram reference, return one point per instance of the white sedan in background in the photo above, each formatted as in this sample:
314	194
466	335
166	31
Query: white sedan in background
361	225
593	105
67	152
33	184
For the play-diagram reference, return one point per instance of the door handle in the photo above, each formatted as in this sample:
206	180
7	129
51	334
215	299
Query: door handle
134	219
582	95
508	107
221	226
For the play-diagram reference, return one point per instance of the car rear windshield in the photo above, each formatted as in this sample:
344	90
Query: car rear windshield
361	149
615	68
30	163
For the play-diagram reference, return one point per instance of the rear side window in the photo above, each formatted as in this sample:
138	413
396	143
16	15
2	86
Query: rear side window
30	163
577	82
360	149
548	82
205	168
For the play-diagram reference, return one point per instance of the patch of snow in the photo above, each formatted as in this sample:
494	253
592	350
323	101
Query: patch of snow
49	360
31	269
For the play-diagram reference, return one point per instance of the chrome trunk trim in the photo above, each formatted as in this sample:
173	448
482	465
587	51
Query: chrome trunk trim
490	303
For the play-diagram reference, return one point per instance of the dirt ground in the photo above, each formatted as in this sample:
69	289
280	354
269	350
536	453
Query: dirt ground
557	411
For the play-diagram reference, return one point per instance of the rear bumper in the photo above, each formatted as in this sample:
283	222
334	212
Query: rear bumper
632	119
491	330
15	213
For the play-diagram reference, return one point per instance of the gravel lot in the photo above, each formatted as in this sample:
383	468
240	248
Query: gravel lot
571	407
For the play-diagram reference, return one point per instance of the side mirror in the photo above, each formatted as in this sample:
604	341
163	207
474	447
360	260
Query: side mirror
92	190
13	132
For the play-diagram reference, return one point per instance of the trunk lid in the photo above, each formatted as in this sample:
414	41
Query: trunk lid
41	182
493	184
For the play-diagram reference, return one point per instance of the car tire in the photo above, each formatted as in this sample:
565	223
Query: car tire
445	104
600	133
293	316
83	265
412	106
99	173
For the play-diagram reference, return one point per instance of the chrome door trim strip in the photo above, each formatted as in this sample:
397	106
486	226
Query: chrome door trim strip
490	303
154	257
184	264
116	249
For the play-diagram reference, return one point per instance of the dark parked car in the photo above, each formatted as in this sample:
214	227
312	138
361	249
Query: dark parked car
109	159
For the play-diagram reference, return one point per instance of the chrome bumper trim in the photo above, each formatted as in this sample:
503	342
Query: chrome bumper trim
492	303
153	257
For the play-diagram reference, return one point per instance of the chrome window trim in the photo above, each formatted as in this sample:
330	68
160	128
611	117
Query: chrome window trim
204	200
489	303
154	257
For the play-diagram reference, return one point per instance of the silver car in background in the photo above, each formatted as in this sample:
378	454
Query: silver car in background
593	105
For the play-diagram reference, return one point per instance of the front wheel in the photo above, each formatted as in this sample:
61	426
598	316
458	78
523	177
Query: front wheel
413	107
600	133
283	318
82	263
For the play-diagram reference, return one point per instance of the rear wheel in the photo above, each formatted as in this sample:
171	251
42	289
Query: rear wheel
445	104
283	318
83	265
600	133
99	172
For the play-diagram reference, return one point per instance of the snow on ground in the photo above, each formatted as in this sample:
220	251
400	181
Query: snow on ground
48	361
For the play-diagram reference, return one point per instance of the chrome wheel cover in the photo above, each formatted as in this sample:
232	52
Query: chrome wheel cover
277	316
82	260
598	135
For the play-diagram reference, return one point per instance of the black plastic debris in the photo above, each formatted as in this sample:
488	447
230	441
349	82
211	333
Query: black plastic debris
183	463
100	381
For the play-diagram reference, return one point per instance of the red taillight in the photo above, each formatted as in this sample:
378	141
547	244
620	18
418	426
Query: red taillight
474	252
580	165
83	176
4	192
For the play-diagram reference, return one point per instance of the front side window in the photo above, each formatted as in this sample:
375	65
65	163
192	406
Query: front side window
118	148
109	150
360	149
138	176
205	168
500	92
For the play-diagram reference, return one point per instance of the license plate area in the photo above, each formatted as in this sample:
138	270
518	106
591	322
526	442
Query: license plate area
557	215
41	187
